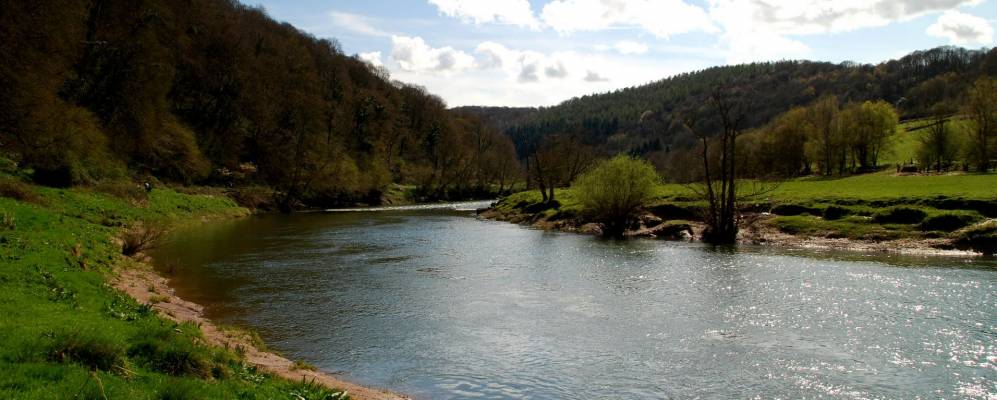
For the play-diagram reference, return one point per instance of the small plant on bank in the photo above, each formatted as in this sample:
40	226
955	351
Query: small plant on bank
300	365
614	190
88	348
900	215
139	238
309	390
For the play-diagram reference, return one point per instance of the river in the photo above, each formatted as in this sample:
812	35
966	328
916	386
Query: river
437	304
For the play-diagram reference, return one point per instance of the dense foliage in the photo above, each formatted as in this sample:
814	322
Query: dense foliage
212	91
647	120
613	190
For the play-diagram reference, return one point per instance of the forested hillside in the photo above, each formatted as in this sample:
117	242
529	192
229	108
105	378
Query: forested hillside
214	92
646	119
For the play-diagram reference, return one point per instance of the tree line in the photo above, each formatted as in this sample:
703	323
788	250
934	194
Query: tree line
216	92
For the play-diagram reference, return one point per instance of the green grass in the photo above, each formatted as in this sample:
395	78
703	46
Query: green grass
880	206
902	146
65	333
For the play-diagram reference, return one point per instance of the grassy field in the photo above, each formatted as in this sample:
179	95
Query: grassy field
902	146
881	206
65	333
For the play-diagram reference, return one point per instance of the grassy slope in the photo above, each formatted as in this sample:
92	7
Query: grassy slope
59	319
949	202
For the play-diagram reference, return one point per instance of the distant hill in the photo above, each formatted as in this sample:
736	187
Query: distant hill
643	118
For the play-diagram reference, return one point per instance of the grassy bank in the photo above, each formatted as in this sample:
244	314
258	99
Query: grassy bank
952	210
66	333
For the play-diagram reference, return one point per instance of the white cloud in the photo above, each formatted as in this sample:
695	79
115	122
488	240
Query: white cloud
962	29
662	18
374	58
630	47
356	24
592	76
556	70
493	55
761	30
413	54
515	12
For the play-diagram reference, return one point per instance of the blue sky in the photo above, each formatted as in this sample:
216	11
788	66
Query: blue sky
542	52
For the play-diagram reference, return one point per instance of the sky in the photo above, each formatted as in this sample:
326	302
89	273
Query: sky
543	52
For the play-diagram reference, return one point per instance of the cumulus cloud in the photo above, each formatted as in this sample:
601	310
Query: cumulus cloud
493	55
515	12
962	29
757	30
592	76
413	54
630	47
659	17
556	70
802	17
374	58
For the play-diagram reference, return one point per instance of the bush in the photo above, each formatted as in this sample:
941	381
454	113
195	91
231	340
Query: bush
178	390
140	237
981	238
614	190
90	349
17	190
836	212
165	351
794	209
124	190
948	221
254	197
899	215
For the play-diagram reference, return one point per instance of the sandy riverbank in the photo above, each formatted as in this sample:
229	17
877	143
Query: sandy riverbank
147	287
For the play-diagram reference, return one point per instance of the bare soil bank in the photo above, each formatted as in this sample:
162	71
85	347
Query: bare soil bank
147	287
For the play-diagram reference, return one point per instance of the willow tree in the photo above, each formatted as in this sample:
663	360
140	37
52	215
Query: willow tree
981	107
613	190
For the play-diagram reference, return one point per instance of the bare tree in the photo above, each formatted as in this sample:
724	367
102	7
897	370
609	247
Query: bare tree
719	185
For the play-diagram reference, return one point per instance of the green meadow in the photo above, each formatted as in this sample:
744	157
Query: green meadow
66	334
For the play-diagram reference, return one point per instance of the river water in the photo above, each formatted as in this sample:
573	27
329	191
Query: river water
437	304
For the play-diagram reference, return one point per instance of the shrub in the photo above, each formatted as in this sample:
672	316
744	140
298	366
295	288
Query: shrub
165	351
178	390
140	237
254	197
836	212
674	211
981	238
948	221
17	190
899	215
90	349
794	209
614	190
124	190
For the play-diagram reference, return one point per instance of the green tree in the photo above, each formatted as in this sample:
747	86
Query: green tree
614	190
938	147
981	107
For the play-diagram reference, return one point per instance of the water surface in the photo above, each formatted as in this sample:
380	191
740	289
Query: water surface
438	304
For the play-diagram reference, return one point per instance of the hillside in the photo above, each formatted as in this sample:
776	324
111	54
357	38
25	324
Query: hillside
214	92
644	118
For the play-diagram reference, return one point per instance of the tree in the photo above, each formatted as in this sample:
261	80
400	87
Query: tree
938	146
822	117
865	128
719	182
981	107
613	190
557	161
